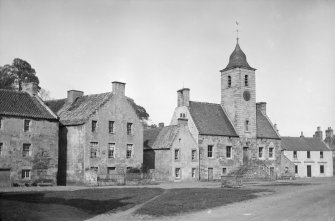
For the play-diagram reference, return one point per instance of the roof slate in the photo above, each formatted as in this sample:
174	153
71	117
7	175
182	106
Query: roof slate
210	119
303	144
21	104
238	59
149	136
161	139
264	129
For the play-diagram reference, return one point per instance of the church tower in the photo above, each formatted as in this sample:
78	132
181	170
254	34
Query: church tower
238	93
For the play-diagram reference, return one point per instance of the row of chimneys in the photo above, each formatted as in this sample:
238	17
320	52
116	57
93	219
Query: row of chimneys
318	133
183	99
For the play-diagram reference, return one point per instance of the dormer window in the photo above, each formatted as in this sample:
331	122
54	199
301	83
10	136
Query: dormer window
246	82
246	125
229	81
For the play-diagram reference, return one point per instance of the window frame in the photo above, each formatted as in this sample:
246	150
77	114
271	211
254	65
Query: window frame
321	155
224	170
111	128
94	149
260	152
179	173
24	173
26	125
210	151
229	152
26	153
295	154
272	152
111	169
229	81
296	169
94	126
246	125
129	128
322	169
194	156
111	148
246	80
193	172
176	154
308	154
130	149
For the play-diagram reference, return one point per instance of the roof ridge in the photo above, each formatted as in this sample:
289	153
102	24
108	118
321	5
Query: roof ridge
205	102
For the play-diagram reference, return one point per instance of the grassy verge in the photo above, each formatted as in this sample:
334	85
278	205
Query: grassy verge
71	205
177	201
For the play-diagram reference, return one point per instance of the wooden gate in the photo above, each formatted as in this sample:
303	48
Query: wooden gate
5	177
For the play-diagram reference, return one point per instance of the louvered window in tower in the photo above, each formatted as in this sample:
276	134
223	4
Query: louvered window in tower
246	82
229	81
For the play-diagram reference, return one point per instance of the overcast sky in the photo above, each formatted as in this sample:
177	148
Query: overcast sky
157	47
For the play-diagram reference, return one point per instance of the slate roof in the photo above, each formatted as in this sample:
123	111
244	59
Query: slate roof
80	110
149	136
21	104
238	59
303	144
210	119
161	140
264	129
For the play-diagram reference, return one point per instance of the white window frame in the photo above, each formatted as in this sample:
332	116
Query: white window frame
230	152
111	148
212	154
273	153
24	173
176	154
130	147
177	173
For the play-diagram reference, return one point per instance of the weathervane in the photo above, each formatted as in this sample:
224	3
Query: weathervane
237	31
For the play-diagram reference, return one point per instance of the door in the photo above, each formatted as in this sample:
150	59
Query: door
5	178
309	171
210	173
245	155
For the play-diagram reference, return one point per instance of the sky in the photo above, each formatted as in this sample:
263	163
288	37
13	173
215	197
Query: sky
157	47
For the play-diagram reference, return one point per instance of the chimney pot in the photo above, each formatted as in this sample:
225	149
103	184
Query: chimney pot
302	134
72	95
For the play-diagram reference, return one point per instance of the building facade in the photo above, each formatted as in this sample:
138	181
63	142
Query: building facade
28	138
235	133
311	156
171	152
100	135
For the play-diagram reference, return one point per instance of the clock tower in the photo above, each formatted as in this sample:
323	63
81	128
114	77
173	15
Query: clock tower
238	93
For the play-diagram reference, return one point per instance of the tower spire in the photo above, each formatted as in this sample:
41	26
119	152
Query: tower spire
237	38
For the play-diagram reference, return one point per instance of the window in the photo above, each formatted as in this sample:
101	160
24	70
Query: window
246	83
26	126
94	125
308	154
111	150
182	115
295	155
296	169
228	152
129	127
246	125
321	154
177	173
176	154
194	154
322	168
271	152
111	170
224	171
128	169
260	152
25	174
1	149
111	127
129	150
95	169
193	172
94	149
210	151
26	150
229	81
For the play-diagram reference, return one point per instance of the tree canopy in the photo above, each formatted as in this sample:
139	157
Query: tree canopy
20	71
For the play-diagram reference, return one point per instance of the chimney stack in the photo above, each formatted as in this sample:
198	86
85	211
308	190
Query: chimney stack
182	121
261	106
183	97
329	132
72	95
161	125
30	87
318	134
118	88
302	134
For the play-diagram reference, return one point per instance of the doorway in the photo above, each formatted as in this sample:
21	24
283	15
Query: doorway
5	177
245	155
210	174
309	171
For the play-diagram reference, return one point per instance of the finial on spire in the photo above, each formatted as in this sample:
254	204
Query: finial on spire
237	31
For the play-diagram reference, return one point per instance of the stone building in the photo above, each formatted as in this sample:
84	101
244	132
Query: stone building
171	152
236	133
28	138
311	156
329	140
100	135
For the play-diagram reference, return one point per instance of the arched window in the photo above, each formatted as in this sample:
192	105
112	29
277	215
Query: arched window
246	83
229	81
246	125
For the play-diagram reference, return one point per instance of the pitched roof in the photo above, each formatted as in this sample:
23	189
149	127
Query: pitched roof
80	110
238	59
264	128
210	119
150	136
303	144
164	138
21	104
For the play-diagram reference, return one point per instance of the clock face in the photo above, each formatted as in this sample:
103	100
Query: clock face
246	95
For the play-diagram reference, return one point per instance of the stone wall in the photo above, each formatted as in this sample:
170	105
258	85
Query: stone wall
43	159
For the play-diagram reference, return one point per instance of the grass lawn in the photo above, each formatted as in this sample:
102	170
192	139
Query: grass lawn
71	205
176	201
